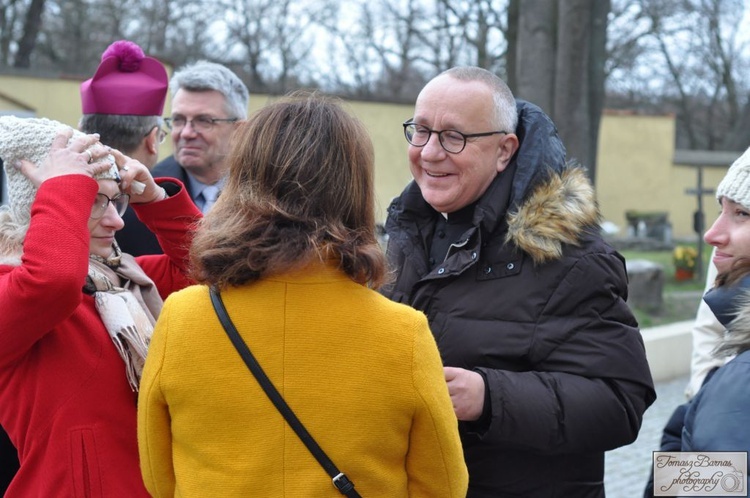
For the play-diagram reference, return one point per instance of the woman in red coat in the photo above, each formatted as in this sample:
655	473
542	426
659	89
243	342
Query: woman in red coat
77	314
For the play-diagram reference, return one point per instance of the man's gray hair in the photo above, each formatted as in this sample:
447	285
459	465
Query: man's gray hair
122	132
202	76
506	113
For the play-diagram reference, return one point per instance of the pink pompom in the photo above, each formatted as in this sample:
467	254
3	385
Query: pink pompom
129	53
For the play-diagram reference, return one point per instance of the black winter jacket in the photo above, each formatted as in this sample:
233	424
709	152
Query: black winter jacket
532	298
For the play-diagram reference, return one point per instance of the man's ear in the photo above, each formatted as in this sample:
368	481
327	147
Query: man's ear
151	142
508	147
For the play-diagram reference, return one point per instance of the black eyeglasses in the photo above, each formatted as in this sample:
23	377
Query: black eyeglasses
451	140
101	203
199	123
160	137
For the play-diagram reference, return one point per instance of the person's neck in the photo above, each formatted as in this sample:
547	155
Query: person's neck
207	176
196	185
142	156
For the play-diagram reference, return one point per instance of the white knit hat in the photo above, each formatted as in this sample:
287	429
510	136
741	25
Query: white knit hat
31	139
736	184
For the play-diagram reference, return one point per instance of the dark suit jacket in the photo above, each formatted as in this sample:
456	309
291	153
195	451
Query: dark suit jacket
135	239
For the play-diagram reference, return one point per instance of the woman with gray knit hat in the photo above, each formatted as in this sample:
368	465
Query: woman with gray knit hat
717	419
77	314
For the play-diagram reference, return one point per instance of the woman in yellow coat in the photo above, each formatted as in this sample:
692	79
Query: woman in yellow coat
291	246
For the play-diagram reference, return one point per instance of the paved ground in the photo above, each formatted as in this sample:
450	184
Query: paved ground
627	468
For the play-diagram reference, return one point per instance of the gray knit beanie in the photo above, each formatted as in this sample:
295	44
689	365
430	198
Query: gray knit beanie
736	184
31	139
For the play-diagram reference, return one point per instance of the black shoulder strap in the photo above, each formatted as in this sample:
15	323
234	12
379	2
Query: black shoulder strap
340	481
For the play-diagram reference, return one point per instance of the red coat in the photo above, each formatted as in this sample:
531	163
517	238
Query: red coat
64	396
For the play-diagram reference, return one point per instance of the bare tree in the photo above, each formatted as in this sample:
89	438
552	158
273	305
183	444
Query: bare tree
579	77
65	41
385	50
11	14
443	40
560	62
30	30
272	40
483	27
692	62
399	49
536	52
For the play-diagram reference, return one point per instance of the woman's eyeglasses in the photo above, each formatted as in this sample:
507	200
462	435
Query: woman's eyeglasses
120	202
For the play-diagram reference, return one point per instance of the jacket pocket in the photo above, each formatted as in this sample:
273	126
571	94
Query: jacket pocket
84	464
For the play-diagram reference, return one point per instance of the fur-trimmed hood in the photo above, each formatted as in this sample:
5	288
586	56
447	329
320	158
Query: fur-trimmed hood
555	213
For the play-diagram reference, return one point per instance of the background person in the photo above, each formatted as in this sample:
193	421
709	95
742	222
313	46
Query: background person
77	313
123	102
208	101
497	241
718	416
291	244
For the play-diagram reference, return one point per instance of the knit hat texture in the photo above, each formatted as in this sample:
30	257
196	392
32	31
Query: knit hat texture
736	184
126	83
31	139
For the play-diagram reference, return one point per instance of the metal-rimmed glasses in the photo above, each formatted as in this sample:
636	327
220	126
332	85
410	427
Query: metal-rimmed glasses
160	137
101	203
199	123
452	141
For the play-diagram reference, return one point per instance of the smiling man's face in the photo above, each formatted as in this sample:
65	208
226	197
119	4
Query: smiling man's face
448	181
202	152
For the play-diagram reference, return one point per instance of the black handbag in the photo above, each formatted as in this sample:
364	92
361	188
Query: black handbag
342	483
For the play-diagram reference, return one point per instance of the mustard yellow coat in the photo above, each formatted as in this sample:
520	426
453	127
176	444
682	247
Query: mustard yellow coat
361	372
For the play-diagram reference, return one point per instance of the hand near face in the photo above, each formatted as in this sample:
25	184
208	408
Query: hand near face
466	389
79	157
136	180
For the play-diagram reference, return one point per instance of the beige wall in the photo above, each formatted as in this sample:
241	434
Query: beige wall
54	99
635	170
392	173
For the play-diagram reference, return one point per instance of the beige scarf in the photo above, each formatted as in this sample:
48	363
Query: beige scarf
128	303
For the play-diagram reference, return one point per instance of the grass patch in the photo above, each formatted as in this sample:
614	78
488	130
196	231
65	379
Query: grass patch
680	298
664	258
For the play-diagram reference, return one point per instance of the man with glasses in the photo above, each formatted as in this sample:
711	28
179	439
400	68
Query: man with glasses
208	100
123	102
497	241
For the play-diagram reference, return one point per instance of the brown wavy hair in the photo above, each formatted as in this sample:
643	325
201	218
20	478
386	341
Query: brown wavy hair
300	188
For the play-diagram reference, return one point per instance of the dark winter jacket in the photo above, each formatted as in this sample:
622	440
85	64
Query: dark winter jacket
533	299
718	416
